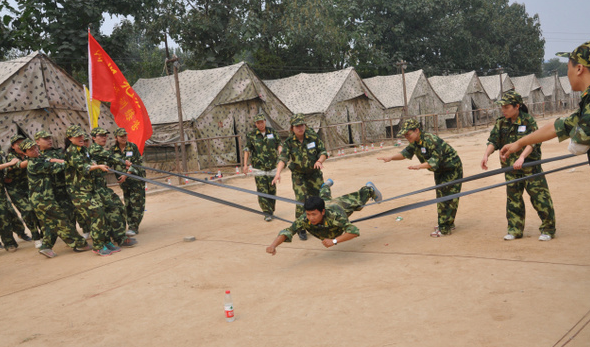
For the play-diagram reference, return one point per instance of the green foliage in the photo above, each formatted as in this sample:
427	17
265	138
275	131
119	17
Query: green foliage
552	65
280	38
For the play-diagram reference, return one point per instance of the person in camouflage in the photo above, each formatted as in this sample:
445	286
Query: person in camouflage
9	221
133	190
577	125
44	140
17	187
439	157
113	207
327	218
513	125
262	146
307	154
82	190
41	171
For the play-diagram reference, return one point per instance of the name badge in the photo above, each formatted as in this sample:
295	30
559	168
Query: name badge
521	128
311	145
423	150
129	154
270	136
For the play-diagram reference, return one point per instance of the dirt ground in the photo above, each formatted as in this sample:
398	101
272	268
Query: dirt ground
392	286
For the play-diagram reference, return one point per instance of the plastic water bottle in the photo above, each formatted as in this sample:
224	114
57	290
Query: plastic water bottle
169	181
229	307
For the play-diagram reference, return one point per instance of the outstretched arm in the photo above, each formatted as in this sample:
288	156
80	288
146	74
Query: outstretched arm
397	156
272	249
545	133
342	238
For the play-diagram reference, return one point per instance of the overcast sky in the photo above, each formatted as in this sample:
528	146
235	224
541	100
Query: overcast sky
564	23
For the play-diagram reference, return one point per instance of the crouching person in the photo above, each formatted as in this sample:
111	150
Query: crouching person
327	218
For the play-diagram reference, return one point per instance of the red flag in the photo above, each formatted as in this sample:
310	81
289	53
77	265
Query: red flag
107	83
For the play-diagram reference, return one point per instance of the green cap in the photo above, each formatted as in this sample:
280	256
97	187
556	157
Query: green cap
27	144
408	125
74	131
581	54
298	119
86	137
15	138
510	98
99	131
120	132
42	134
259	116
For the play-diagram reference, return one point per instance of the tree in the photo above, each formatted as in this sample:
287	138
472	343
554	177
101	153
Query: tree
552	65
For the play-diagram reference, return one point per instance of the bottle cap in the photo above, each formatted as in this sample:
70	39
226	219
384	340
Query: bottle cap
227	292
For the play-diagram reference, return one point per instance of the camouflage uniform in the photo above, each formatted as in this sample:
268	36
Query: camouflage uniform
506	131
447	167
81	188
303	155
133	190
58	181
9	221
335	221
17	187
52	217
577	125
113	207
263	150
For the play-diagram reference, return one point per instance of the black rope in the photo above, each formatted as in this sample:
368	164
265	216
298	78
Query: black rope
454	196
476	177
198	195
268	196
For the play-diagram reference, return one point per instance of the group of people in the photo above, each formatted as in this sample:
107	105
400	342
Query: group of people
55	188
515	134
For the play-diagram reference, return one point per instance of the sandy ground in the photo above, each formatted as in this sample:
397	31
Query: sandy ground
393	286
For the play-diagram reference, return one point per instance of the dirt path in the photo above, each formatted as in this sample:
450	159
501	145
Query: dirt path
393	286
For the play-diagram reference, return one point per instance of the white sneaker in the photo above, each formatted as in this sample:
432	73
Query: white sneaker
86	236
509	237
38	243
545	237
130	233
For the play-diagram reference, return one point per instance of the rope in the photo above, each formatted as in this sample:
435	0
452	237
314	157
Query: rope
454	196
198	195
268	196
476	177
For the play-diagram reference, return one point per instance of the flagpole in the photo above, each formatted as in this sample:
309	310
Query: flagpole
89	102
88	108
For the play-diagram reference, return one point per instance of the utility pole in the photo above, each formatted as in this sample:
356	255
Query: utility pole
178	103
402	64
500	70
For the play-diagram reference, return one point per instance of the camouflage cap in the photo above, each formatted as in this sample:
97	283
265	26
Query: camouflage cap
510	98
99	131
86	137
259	116
75	131
580	54
298	119
15	138
42	134
27	144
408	125
120	132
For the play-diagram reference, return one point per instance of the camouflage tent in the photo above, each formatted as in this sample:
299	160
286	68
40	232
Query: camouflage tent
216	103
491	84
554	93
333	98
464	96
530	90
421	99
37	94
571	98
